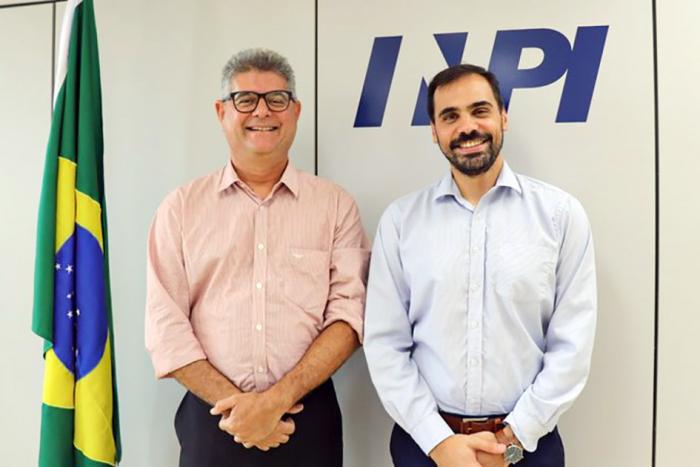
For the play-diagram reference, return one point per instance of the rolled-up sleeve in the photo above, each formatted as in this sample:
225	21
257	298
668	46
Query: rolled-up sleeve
348	268
569	338
168	331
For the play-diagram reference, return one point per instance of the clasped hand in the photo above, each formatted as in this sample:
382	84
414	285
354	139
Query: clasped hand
255	419
477	450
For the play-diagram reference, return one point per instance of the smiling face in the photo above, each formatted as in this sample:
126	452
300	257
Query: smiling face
261	133
468	124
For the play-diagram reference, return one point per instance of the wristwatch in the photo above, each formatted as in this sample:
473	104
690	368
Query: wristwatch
513	454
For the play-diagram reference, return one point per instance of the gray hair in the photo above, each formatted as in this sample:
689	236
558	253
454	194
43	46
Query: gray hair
256	59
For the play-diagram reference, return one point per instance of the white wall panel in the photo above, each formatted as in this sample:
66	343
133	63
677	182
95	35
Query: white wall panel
606	161
25	78
679	265
161	63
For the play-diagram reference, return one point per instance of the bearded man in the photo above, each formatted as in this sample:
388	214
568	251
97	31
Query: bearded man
481	302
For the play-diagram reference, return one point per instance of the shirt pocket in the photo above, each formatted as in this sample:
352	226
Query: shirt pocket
307	279
524	273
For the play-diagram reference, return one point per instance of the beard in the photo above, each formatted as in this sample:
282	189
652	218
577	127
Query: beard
473	164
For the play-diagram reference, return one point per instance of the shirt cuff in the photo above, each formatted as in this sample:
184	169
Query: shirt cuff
527	429
164	363
348	312
430	432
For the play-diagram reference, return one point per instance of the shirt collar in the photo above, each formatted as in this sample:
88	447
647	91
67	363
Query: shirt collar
289	178
448	187
508	179
228	176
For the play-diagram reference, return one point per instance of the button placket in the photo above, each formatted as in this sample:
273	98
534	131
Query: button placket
474	390
259	294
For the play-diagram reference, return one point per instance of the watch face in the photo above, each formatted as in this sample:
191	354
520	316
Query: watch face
513	454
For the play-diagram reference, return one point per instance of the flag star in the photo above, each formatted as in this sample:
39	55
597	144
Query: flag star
69	314
70	295
69	268
58	266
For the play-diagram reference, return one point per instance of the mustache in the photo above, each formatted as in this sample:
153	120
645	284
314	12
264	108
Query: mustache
466	137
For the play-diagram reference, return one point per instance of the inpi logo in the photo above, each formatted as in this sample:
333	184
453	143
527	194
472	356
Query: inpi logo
580	61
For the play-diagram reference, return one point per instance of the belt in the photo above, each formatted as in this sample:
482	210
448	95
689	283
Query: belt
470	425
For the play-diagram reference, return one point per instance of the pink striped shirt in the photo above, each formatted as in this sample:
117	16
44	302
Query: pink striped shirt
248	283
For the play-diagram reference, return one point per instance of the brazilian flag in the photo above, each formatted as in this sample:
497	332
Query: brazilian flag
72	305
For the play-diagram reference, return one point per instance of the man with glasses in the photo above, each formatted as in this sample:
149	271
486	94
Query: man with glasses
481	303
256	286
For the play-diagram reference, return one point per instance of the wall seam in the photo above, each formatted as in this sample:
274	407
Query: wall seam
656	236
53	55
316	87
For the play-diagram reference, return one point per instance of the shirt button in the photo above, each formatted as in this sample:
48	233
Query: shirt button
261	369
475	250
258	285
260	246
474	287
474	362
258	327
473	324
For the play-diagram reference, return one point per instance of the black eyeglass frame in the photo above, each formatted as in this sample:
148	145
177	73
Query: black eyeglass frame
232	97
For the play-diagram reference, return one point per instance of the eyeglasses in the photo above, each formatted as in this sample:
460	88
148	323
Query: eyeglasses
247	101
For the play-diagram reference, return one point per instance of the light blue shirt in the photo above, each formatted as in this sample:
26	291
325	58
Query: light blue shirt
481	310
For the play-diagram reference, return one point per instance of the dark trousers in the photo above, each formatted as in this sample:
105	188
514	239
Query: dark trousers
406	453
316	442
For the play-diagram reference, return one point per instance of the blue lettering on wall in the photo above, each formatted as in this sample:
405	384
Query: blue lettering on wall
580	62
452	48
380	72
